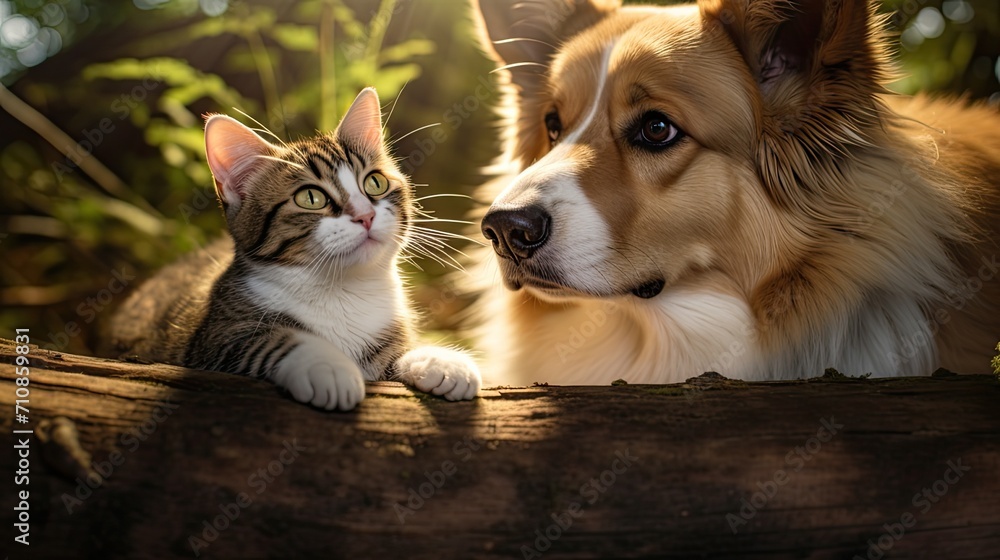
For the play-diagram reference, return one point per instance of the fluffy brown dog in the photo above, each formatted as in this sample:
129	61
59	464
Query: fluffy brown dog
729	186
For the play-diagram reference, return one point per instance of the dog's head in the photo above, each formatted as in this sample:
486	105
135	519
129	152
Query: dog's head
654	143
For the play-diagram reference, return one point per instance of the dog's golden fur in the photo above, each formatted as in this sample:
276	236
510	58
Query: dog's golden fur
809	218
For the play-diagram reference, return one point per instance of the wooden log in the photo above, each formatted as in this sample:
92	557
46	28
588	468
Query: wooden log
195	463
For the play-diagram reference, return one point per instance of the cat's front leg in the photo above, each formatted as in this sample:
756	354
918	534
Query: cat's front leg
318	373
441	371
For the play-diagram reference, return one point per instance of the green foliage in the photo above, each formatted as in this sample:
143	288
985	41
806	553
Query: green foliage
947	45
996	361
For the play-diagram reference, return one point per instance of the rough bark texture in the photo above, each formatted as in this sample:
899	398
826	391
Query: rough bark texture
190	444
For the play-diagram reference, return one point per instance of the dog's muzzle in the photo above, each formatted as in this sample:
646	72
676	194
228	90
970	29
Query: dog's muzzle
516	233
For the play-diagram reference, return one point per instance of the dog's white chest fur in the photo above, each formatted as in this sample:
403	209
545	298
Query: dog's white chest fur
684	333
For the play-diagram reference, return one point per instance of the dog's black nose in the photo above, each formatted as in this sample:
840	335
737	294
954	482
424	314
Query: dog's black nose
517	233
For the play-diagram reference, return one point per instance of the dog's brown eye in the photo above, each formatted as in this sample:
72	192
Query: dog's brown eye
553	125
655	131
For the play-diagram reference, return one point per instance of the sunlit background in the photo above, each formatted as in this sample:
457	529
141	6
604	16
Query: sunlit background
103	174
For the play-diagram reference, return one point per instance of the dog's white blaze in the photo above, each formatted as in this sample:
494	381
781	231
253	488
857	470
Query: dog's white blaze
580	238
602	81
555	162
579	247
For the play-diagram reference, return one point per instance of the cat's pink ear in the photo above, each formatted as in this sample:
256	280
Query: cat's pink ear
362	125
233	151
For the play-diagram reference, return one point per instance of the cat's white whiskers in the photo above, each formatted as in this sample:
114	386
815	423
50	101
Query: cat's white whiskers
417	248
279	160
408	259
445	251
393	107
448	234
443	220
519	65
425	127
528	39
436	237
428	255
262	128
440	195
434	249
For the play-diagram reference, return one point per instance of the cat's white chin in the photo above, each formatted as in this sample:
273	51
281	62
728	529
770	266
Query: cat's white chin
368	250
351	244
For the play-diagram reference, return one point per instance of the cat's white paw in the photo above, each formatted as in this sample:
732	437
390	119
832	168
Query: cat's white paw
449	373
322	377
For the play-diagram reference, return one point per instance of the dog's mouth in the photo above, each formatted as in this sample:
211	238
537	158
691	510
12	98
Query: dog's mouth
517	278
532	282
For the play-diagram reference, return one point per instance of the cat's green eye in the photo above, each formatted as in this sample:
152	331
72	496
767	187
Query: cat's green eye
376	184
310	198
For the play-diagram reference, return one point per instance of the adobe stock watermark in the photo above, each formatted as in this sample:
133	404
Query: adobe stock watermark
484	90
89	309
205	197
924	501
230	511
454	117
796	459
958	295
753	328
131	440
590	492
202	199
436	479
580	334
121	107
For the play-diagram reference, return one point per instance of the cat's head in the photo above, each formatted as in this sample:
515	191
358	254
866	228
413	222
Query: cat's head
334	199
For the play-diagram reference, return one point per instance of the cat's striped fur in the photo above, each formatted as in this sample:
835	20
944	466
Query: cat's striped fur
303	294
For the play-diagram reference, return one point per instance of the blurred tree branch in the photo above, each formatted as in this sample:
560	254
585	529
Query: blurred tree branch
61	141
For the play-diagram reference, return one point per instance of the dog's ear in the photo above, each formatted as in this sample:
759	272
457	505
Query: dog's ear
523	34
807	38
819	66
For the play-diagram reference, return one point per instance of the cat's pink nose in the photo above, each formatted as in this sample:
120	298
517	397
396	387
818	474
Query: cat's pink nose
365	219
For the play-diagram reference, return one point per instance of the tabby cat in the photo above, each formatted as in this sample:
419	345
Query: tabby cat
305	291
